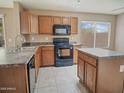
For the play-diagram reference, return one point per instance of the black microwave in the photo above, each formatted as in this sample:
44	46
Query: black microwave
61	29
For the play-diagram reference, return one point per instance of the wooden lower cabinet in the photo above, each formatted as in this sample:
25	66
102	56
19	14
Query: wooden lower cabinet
90	77
13	79
75	53
81	69
37	60
101	75
47	55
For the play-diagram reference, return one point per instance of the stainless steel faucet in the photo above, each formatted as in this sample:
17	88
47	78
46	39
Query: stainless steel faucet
19	39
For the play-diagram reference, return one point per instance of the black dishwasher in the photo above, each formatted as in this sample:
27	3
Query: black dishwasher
31	74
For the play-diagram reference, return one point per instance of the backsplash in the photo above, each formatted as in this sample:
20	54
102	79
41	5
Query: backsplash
49	38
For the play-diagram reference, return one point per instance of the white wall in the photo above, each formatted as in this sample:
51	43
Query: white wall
11	23
119	42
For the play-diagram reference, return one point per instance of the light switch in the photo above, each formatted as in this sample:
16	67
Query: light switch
121	68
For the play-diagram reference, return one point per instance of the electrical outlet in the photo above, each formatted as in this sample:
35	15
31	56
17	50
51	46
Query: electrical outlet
121	68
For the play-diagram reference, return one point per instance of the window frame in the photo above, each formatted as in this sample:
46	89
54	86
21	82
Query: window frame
3	21
94	31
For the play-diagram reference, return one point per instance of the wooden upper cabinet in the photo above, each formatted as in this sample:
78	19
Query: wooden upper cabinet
29	23
57	20
25	25
74	25
61	20
66	20
34	24
45	24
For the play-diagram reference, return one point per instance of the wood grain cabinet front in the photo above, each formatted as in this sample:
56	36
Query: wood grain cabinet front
47	56
29	23
25	25
13	79
74	25
81	69
101	75
37	60
66	20
90	77
40	24
57	20
75	53
45	25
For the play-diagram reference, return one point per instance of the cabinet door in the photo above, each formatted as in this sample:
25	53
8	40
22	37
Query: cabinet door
47	56
57	20
81	65
90	77
66	20
25	22
75	53
37	60
45	25
12	77
34	24
74	25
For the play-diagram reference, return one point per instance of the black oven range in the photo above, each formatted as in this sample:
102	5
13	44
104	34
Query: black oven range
63	52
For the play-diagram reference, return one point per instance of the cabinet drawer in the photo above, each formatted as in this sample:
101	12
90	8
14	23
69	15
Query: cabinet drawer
87	58
91	61
81	55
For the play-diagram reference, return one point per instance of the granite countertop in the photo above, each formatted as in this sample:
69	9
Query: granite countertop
10	57
101	53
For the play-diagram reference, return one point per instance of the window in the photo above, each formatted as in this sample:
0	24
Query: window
1	32
96	34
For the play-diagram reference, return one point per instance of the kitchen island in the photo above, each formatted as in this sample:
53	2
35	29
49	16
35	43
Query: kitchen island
101	70
14	76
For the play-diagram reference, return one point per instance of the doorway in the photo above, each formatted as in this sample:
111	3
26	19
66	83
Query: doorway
2	36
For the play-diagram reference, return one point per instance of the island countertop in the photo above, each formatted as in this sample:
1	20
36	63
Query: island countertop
101	53
7	57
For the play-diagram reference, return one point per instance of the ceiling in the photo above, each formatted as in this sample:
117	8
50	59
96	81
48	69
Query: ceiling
91	6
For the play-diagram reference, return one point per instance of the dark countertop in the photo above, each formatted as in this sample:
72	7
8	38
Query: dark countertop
35	44
10	57
101	53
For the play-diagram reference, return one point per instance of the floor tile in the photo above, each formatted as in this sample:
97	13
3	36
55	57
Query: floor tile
66	88
59	80
47	90
47	82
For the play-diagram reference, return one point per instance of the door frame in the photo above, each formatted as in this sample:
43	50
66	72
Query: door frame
3	21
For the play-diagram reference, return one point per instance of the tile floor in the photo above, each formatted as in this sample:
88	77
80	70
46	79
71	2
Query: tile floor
59	80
